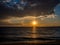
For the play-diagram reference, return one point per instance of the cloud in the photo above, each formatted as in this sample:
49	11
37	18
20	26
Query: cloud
33	5
15	8
17	20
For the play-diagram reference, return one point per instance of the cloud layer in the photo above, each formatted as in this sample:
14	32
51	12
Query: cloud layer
26	19
21	8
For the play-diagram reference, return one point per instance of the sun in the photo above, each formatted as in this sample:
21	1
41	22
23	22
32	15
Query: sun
34	23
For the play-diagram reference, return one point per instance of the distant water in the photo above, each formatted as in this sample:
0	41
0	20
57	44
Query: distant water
29	33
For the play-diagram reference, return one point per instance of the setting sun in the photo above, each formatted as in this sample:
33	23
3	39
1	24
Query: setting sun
34	23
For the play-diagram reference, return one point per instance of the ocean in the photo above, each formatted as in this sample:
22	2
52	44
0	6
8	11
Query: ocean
30	34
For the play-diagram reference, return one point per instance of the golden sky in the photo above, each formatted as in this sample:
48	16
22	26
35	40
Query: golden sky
47	20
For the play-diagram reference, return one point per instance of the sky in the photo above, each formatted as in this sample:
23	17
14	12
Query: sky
23	12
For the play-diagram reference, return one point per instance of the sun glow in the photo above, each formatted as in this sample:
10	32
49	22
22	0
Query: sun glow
34	23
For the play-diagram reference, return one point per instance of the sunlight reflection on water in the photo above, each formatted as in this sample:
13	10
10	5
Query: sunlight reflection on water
33	34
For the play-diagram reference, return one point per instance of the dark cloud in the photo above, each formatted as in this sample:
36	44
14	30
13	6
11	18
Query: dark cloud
42	7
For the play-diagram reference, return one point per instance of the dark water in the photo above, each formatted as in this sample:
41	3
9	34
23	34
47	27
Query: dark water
37	34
